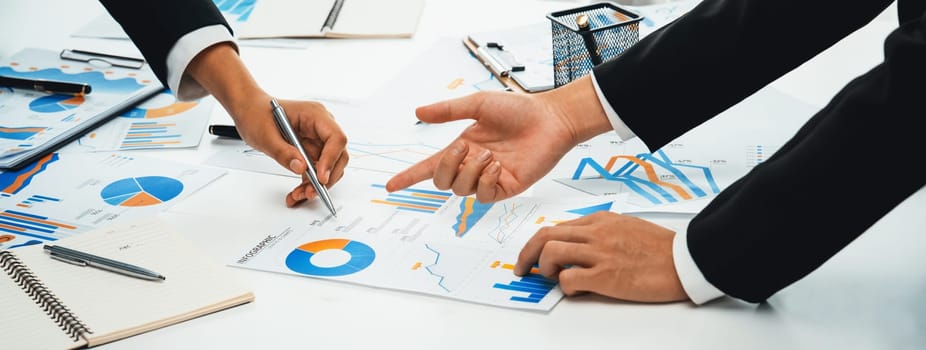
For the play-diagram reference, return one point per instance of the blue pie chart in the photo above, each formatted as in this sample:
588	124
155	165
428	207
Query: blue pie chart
300	259
141	191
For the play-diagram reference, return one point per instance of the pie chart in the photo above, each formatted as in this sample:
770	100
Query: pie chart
141	191
55	103
300	259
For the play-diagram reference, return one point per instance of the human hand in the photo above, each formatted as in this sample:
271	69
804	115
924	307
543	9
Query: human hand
219	70
618	256
515	140
320	135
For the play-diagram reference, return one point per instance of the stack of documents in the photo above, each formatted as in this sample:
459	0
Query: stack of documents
34	123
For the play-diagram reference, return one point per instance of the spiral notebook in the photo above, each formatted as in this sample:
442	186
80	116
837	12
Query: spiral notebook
48	304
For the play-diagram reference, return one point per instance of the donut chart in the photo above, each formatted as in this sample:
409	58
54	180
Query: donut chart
141	191
300	259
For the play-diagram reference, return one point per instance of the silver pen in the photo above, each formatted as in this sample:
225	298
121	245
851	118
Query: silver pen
85	259
279	116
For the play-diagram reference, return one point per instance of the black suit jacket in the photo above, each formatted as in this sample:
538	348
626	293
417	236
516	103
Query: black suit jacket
848	166
155	26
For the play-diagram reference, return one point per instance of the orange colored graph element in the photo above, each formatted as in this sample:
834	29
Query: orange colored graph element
169	110
38	221
455	84
21	180
650	174
543	219
141	199
510	266
317	246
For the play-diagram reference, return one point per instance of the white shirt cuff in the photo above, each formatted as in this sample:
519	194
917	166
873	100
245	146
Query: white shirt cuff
697	287
619	127
184	86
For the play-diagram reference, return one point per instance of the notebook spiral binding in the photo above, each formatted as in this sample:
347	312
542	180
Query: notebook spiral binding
62	316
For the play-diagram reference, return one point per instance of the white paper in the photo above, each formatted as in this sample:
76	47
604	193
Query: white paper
64	194
421	240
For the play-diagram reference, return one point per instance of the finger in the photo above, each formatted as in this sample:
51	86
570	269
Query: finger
488	188
577	280
338	171
468	176
590	219
296	196
559	255
530	254
466	107
449	165
421	171
331	153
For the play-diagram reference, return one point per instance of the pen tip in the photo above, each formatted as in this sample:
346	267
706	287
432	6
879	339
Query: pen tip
162	277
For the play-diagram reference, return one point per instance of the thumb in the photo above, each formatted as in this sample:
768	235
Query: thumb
466	107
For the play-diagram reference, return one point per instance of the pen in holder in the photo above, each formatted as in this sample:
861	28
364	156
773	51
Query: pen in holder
586	36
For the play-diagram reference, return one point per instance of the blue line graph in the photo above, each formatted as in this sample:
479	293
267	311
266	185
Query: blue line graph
440	282
653	176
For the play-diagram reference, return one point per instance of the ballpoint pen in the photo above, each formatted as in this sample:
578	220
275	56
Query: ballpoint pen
290	136
75	257
47	86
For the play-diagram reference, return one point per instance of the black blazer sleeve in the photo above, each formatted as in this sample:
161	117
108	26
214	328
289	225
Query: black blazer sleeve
155	26
848	166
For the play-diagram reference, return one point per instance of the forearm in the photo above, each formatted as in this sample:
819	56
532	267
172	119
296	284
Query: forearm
220	71
842	172
155	27
718	54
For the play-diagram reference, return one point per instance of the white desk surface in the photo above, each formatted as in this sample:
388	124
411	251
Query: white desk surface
869	296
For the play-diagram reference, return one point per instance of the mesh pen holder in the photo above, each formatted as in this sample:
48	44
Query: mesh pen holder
584	37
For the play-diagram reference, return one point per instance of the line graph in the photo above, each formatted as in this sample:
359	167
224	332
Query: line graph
654	177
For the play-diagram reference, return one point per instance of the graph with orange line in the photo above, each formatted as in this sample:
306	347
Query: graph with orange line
414	199
12	182
34	226
653	177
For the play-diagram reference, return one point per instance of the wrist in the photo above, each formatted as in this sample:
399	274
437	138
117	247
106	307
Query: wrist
220	71
577	104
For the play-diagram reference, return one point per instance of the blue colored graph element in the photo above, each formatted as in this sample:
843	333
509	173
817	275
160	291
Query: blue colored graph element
592	209
35	226
141	191
651	186
20	133
11	182
300	259
94	78
440	281
55	103
412	199
239	10
471	211
535	285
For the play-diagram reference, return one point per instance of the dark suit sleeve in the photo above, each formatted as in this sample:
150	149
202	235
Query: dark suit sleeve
851	164
155	26
717	54
848	166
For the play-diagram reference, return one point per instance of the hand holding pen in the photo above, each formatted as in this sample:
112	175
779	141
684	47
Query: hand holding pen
319	134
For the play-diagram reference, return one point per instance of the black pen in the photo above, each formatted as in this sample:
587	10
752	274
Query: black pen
224	131
79	258
47	86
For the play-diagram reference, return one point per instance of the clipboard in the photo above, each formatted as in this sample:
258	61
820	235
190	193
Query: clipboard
520	58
